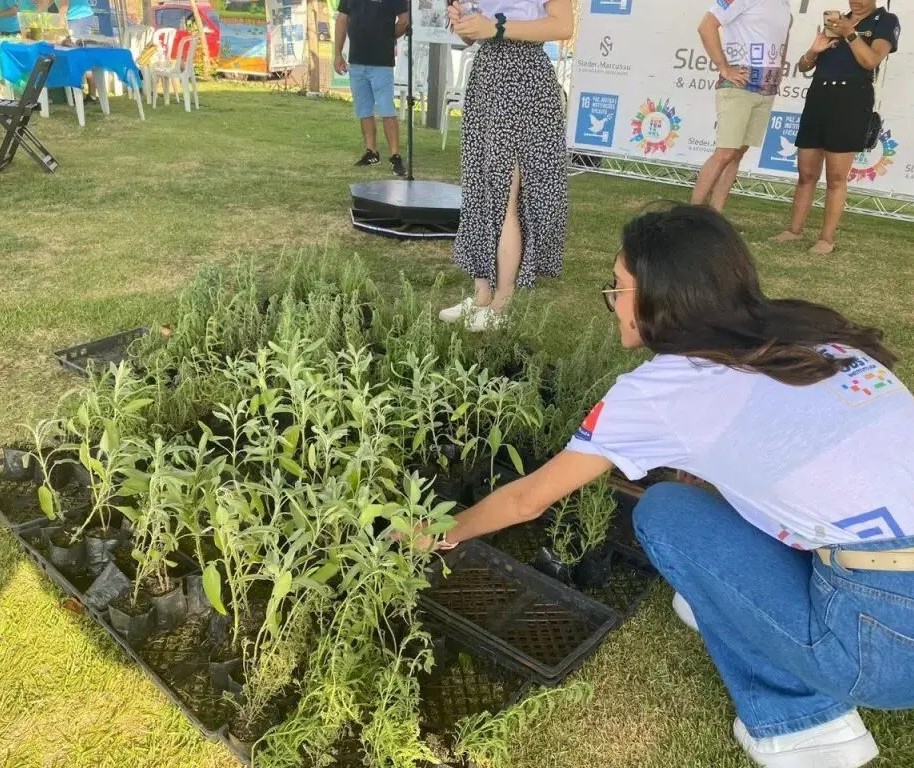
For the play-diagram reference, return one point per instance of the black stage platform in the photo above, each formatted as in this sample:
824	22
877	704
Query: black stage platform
406	208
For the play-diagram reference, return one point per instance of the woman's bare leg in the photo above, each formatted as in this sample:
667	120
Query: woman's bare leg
837	167
483	292
809	167
510	248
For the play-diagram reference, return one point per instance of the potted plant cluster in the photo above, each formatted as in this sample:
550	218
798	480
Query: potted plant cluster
264	468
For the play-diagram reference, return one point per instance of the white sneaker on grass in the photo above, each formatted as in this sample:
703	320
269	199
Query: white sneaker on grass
455	314
684	612
841	743
484	319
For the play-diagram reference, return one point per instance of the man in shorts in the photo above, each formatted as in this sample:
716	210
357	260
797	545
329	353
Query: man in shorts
747	42
373	27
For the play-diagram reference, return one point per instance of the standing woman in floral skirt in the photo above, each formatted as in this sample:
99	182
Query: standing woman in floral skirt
514	212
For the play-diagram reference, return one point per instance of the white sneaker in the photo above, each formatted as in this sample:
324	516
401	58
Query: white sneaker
684	612
484	319
455	314
841	743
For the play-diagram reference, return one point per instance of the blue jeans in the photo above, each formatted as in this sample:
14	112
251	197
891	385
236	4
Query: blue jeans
797	642
372	87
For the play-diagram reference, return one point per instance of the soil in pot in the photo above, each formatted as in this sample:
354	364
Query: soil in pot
133	620
75	502
122	555
219	633
244	734
180	660
170	605
19	502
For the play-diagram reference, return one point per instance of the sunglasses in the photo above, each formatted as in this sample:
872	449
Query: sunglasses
610	292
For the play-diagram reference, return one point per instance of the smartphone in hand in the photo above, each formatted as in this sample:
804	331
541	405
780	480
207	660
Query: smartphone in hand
828	18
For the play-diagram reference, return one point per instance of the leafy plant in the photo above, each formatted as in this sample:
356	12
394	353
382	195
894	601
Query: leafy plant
580	522
486	739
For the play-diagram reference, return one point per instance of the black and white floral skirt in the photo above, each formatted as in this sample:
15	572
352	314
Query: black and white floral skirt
513	117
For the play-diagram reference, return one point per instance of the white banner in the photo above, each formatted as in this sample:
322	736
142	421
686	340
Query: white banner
643	88
430	23
287	41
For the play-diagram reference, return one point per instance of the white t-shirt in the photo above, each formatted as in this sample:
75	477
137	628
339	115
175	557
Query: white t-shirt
827	463
754	36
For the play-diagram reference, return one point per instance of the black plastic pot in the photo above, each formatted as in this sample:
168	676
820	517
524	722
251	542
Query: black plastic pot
197	602
594	569
134	627
60	474
217	629
548	562
170	608
81	475
47	532
220	676
13	464
100	550
72	556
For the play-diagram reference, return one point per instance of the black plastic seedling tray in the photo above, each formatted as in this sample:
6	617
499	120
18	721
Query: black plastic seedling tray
529	621
99	353
618	574
463	681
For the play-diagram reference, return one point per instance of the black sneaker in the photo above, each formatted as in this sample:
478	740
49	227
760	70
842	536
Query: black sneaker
369	158
396	165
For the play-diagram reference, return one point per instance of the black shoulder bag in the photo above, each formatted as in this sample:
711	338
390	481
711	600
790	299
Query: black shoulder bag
874	130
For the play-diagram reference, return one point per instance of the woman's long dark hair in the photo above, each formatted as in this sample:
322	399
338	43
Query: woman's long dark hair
698	294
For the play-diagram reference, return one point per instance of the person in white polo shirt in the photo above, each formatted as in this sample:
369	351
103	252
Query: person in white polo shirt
747	41
799	570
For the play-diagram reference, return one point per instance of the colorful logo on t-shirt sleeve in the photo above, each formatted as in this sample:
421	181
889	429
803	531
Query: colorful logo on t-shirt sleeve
586	430
861	379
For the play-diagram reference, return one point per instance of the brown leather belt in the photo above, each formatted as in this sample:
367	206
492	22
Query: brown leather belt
858	560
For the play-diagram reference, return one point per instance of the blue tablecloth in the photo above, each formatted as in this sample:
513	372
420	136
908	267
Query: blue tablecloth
70	64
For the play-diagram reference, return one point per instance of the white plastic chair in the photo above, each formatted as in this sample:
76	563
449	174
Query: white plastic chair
179	73
454	95
420	76
164	39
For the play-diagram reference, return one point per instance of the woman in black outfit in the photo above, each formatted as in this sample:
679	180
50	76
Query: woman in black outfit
838	110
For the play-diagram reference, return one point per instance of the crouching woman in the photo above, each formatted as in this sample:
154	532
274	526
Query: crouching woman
799	575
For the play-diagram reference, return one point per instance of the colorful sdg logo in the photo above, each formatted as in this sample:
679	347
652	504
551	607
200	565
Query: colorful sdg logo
656	126
874	163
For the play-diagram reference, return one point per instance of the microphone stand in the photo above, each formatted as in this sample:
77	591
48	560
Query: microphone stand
410	103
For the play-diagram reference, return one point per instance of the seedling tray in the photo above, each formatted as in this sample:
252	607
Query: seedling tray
628	573
99	353
530	622
464	681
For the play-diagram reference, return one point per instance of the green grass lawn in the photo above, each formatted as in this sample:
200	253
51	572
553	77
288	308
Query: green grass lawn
106	243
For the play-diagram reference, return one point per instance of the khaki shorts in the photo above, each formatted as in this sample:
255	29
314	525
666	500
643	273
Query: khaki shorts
742	118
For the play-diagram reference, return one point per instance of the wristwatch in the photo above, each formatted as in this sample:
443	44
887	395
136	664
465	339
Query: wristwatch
851	37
